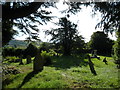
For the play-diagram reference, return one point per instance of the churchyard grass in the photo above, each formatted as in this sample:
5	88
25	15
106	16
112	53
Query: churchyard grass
67	72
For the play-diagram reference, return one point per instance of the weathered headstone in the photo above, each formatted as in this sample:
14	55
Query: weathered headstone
38	63
91	65
28	59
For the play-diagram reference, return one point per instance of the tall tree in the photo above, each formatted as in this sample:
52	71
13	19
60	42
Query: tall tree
64	35
100	42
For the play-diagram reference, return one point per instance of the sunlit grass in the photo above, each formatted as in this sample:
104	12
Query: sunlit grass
68	72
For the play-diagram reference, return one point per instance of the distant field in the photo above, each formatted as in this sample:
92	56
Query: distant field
65	72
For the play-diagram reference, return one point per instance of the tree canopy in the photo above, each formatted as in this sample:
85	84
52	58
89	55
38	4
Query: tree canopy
25	16
65	35
100	42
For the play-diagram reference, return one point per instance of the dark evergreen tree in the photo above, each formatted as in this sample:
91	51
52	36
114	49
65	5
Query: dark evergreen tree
65	35
78	45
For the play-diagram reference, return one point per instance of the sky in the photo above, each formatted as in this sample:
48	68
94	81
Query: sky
84	19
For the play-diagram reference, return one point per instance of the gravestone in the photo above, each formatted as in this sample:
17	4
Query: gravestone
38	63
28	59
91	65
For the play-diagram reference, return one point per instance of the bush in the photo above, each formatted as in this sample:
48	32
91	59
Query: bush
100	42
44	47
18	52
46	57
11	59
117	51
10	51
31	50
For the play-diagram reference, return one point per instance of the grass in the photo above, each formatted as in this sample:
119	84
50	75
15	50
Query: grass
66	72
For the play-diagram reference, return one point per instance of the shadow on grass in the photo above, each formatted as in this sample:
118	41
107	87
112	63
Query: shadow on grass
28	77
65	62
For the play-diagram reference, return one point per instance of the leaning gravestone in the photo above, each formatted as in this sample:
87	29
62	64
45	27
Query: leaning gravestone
28	59
91	65
38	63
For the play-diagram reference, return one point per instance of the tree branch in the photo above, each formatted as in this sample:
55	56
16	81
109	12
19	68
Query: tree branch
11	13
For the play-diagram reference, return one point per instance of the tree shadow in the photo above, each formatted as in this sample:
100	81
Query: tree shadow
65	62
28	77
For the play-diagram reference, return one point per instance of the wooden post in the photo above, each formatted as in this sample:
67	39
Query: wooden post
91	65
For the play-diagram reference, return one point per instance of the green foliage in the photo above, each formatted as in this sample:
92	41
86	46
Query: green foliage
117	50
30	50
110	15
78	45
46	57
65	36
45	46
25	21
11	51
7	31
52	52
10	59
100	42
8	51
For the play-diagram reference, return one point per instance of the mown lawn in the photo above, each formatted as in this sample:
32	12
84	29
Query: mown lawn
66	72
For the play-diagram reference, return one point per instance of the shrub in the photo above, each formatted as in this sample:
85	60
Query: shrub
44	46
46	57
30	50
117	50
10	51
11	59
18	52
